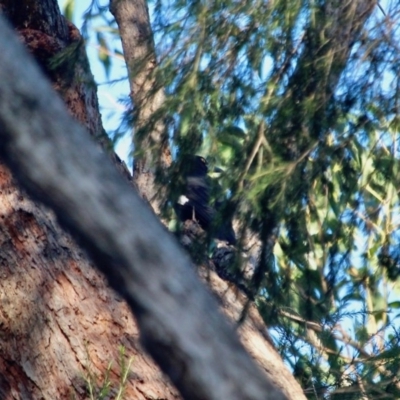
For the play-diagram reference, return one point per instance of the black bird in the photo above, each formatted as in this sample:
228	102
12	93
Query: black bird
193	203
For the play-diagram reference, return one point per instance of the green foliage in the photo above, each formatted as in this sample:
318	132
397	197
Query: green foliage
307	134
104	53
68	9
101	387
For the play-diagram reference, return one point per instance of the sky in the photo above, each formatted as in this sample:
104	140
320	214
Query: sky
112	96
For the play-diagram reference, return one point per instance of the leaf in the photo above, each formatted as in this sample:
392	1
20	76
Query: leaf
104	53
394	304
69	9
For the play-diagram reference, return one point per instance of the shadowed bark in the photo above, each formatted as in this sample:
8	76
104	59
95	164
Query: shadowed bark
66	372
178	320
55	310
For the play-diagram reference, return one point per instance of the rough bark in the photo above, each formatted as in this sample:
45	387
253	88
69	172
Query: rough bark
59	49
52	302
60	320
152	153
253	333
177	318
52	124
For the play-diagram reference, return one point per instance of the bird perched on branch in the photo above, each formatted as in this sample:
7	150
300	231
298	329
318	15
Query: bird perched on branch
194	202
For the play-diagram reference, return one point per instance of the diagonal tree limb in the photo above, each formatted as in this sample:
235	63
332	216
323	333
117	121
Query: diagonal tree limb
179	322
329	39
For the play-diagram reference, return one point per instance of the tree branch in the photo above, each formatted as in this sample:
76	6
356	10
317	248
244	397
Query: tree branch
178	319
152	155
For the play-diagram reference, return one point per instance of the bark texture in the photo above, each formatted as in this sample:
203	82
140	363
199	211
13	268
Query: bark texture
253	333
50	358
178	320
59	320
55	310
152	155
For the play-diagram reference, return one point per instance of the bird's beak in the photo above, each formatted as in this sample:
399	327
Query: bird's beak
218	170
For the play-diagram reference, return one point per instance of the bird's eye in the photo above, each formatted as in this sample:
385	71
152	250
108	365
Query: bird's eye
203	160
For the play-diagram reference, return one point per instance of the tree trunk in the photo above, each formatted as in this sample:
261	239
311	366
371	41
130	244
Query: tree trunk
152	155
61	323
59	320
